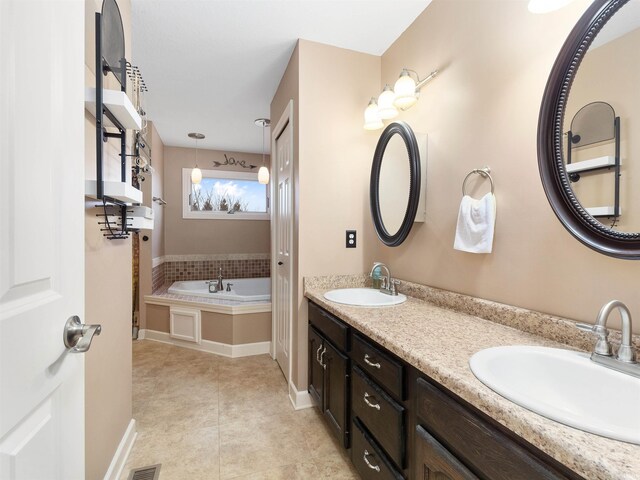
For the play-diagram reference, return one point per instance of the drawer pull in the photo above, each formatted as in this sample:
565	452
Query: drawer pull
372	405
318	354
369	464
369	362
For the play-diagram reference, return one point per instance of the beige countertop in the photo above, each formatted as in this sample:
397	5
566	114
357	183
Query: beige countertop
438	331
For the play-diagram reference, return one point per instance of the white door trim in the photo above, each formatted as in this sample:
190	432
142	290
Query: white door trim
286	118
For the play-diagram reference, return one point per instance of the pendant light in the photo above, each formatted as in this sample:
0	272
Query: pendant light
196	173
263	173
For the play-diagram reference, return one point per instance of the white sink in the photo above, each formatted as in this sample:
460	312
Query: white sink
565	386
364	297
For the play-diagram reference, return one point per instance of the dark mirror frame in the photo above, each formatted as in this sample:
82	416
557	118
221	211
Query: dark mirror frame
413	157
555	180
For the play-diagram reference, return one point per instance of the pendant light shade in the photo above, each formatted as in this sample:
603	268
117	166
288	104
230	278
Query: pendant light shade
263	173
372	120
405	90
196	173
386	110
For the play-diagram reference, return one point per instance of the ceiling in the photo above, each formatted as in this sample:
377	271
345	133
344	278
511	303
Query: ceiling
213	66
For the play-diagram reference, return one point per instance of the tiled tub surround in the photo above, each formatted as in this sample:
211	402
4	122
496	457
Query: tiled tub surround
437	332
206	267
157	277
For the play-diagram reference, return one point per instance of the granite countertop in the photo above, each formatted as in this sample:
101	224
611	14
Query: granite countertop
438	331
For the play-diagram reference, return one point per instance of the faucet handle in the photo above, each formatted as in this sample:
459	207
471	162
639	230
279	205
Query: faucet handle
603	347
393	283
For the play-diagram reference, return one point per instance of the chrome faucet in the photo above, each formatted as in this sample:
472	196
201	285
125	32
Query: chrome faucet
388	284
625	359
219	286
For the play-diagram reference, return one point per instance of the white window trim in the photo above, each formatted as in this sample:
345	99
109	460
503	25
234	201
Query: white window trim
210	215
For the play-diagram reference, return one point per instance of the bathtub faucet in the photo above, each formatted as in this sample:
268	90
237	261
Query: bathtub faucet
219	286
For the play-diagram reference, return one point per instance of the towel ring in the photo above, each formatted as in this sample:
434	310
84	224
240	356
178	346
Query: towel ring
484	172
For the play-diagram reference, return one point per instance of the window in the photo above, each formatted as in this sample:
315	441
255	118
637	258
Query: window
224	195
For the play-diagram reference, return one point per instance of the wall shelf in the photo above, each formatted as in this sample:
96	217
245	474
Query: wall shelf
603	211
118	103
120	191
592	164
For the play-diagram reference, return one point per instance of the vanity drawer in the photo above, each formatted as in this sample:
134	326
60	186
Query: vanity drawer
480	445
386	370
381	414
368	458
332	328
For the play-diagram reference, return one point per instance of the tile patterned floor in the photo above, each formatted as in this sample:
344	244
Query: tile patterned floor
208	417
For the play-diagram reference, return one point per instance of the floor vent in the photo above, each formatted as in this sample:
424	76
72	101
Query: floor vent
151	472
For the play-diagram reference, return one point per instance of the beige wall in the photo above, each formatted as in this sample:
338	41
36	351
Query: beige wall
157	182
607	75
333	159
195	236
154	246
107	296
482	109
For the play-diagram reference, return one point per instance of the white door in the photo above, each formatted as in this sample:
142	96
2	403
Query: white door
283	241
41	238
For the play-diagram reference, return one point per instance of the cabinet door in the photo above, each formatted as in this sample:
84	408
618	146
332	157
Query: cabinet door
316	371
336	386
434	462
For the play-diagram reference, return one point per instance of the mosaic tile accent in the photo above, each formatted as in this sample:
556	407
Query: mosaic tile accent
208	269
157	277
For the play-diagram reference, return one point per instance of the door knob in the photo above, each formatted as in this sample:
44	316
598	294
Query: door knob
77	336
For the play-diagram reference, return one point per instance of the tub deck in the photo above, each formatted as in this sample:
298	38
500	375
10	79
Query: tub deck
217	305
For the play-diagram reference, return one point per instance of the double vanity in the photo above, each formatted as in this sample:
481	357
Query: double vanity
396	387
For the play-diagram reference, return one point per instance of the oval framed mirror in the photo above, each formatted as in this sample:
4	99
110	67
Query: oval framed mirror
607	229
394	190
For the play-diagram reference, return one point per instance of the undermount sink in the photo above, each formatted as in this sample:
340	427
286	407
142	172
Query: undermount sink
565	386
364	297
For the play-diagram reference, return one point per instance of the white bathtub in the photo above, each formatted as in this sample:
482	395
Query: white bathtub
242	289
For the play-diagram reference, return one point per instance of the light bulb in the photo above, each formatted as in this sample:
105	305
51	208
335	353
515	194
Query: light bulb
405	90
263	175
386	110
372	119
196	175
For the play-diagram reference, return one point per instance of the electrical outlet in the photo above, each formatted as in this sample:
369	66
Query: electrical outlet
351	239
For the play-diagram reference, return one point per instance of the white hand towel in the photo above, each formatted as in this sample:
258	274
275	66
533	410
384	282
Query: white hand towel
476	224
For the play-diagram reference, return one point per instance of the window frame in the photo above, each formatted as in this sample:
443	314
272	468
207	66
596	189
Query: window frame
187	213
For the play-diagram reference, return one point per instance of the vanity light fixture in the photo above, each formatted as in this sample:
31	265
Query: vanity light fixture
546	6
196	173
372	120
263	173
386	109
407	89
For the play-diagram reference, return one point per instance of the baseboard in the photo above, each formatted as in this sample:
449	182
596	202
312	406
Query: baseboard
141	333
122	452
299	399
224	349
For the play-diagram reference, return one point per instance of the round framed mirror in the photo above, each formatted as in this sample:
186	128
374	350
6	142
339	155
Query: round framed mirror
589	130
395	183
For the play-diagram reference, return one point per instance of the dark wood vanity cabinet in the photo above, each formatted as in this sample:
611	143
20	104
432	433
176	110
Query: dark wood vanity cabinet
404	425
456	441
329	370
